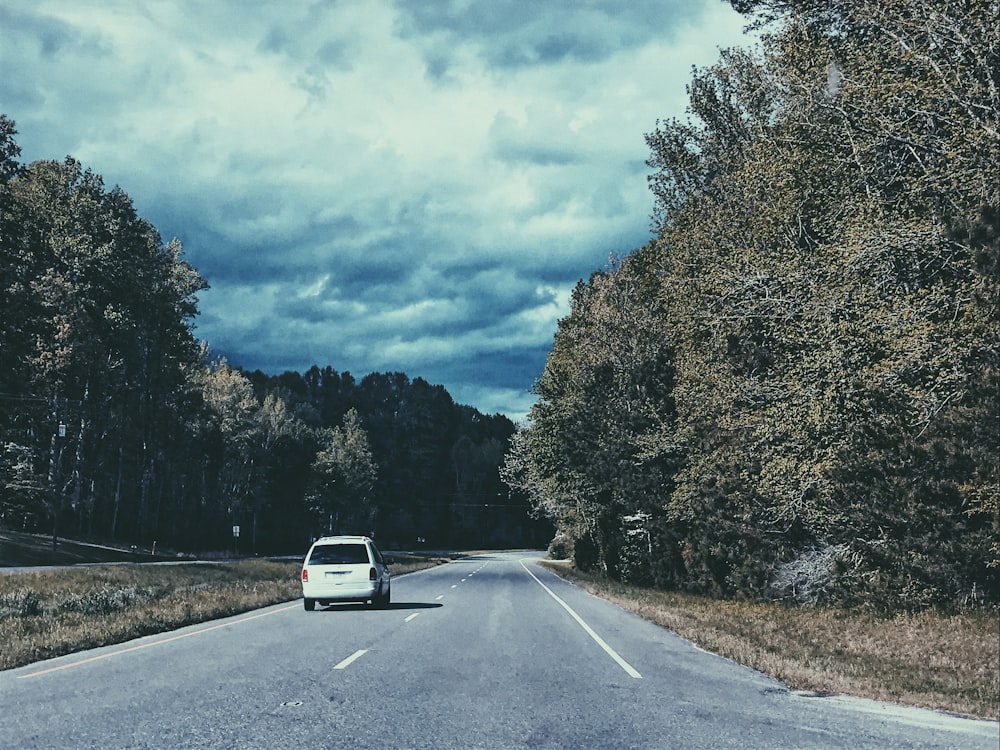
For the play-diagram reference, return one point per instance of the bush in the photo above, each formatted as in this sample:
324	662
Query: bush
561	547
106	600
808	578
20	603
635	564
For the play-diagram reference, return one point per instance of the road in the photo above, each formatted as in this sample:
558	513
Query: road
490	651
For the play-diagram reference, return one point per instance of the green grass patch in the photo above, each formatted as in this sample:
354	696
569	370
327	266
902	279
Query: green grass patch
947	662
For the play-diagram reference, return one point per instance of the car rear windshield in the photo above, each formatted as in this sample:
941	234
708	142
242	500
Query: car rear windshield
339	554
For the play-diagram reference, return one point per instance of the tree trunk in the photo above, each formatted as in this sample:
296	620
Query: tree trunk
118	492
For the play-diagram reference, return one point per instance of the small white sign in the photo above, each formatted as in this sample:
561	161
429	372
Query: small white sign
236	531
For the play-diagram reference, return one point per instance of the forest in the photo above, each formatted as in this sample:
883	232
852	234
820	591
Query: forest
117	424
790	393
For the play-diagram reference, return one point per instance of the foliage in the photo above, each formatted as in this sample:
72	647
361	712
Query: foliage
116	423
587	460
344	474
437	462
826	272
97	347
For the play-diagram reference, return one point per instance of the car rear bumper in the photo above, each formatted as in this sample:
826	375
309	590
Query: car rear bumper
340	592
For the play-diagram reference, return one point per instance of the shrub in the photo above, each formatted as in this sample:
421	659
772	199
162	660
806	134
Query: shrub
106	600
20	603
561	546
808	577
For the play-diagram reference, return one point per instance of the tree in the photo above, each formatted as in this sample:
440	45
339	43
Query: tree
586	459
13	337
413	429
230	399
829	227
114	424
343	475
96	325
277	426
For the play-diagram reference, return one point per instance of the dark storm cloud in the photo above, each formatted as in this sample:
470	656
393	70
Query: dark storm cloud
373	186
47	35
515	34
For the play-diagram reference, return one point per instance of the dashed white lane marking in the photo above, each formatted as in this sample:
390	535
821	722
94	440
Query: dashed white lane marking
351	659
439	598
455	586
589	630
415	614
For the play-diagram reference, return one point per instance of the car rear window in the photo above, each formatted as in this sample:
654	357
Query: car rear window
339	554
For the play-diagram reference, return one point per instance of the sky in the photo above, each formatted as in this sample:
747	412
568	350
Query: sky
411	186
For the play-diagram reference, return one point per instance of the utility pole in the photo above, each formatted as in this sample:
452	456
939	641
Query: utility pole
55	469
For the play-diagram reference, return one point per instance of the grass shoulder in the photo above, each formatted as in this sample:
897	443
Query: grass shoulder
947	662
48	613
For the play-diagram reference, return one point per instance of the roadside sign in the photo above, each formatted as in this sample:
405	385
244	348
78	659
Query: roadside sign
236	531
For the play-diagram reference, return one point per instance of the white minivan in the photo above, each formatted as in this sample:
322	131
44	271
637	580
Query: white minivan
344	569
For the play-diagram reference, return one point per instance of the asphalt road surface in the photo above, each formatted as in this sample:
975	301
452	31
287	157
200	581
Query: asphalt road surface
490	651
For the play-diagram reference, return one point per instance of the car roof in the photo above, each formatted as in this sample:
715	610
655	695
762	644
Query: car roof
342	538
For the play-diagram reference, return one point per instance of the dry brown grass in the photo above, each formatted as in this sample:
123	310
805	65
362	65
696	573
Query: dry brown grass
405	562
930	659
53	612
49	613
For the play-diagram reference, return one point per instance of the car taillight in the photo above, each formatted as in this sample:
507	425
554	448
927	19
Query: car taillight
372	574
305	576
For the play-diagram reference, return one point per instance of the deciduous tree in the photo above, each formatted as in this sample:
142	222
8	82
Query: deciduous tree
343	475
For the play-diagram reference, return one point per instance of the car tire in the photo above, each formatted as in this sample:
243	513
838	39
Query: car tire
309	604
388	595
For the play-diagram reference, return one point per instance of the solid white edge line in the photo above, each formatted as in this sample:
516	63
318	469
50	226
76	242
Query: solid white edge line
629	669
234	620
351	659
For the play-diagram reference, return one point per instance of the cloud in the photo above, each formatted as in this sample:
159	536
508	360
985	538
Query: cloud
408	186
509	34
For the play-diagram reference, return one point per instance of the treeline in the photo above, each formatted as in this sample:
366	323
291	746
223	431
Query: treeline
402	460
116	423
792	393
